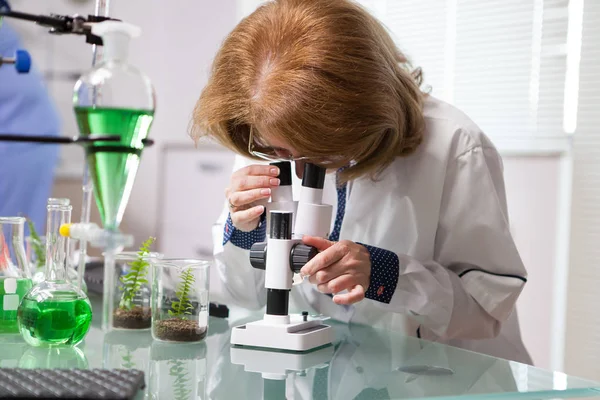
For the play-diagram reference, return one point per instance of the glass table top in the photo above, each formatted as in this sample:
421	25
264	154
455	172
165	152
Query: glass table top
362	363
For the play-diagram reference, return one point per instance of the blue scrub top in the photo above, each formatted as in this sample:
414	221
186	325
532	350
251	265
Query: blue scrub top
26	108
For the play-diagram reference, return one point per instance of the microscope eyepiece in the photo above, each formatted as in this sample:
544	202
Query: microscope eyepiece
314	176
285	172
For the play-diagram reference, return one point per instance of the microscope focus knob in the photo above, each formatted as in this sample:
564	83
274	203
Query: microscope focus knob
300	255
258	255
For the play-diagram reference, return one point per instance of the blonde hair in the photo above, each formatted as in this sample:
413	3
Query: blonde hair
323	75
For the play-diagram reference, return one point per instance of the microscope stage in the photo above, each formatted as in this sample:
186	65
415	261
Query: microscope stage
298	335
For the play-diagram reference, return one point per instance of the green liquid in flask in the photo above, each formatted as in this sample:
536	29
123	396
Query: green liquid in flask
62	320
10	298
113	165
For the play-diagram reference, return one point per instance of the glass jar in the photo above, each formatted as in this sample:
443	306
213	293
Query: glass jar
177	371
132	295
15	277
180	300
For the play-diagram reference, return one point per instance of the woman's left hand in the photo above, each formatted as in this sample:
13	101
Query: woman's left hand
339	266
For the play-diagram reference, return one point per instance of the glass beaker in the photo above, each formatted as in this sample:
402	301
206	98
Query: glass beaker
15	278
132	294
177	371
180	300
55	312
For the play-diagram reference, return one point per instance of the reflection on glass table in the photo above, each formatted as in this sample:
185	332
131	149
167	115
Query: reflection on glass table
373	364
55	358
362	363
177	371
127	350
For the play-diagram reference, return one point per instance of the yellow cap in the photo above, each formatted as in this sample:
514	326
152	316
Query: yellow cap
65	230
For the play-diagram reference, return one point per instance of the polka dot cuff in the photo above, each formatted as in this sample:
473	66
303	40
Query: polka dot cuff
245	240
385	269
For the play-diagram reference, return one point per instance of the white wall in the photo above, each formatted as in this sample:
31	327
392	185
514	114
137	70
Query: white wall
533	185
176	51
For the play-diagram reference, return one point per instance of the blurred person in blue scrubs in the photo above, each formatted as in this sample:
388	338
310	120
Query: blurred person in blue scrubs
26	108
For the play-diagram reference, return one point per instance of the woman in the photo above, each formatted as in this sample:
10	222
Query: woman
421	241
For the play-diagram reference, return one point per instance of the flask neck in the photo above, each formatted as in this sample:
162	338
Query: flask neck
57	246
116	47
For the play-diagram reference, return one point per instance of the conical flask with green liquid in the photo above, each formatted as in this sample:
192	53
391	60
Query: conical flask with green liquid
114	98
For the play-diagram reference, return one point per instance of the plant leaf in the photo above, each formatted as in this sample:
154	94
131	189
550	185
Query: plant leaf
133	280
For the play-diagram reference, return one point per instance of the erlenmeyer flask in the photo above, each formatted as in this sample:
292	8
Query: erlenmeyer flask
15	280
114	99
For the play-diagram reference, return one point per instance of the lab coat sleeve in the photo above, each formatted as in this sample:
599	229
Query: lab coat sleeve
243	285
472	285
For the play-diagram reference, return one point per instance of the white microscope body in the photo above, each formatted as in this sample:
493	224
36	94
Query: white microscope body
283	254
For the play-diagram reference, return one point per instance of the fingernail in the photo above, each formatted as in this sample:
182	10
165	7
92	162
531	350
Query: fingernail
260	210
274	181
275	171
265	191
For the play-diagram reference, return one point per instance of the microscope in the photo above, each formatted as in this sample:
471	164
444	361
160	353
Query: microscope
284	254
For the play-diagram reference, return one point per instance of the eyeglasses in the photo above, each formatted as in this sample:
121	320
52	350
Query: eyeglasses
268	153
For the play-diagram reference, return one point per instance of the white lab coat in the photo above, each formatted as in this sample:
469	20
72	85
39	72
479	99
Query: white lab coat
443	211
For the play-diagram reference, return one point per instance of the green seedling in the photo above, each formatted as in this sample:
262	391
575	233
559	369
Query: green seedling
183	306
136	277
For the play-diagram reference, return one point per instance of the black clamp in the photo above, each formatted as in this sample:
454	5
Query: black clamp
81	140
60	24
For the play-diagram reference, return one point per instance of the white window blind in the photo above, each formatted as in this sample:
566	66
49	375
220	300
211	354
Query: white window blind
503	62
582	347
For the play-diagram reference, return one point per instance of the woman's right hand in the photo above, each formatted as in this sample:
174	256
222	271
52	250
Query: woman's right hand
248	186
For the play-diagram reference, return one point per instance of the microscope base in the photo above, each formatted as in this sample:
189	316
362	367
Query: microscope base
298	335
276	364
